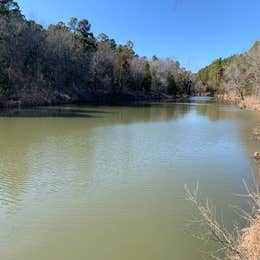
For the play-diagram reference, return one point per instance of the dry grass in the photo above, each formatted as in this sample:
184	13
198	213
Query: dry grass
249	244
217	231
249	247
251	103
238	244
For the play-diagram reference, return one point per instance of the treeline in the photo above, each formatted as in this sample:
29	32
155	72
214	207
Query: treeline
67	63
237	76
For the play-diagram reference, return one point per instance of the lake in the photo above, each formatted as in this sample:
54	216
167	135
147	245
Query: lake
97	182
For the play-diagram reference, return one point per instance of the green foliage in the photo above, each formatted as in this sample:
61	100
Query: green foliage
9	7
86	37
147	78
102	37
237	75
121	78
66	63
72	24
154	58
5	84
126	50
212	74
103	40
172	87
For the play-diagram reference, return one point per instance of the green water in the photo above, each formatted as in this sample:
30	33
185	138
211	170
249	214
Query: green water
101	183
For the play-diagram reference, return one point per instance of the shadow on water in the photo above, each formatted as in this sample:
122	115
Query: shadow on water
48	112
97	111
134	112
79	111
93	111
121	114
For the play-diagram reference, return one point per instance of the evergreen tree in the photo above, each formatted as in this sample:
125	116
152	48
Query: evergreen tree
66	62
147	78
9	6
154	58
86	37
121	77
171	85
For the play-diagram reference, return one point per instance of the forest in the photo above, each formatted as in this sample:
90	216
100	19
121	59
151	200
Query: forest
235	78
67	63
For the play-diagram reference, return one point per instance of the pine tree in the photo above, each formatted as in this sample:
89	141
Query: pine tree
147	78
171	87
9	6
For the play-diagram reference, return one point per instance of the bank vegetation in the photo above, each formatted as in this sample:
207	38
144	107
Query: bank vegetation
235	79
233	244
66	63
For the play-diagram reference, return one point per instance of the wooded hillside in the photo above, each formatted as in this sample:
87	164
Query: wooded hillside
66	63
237	76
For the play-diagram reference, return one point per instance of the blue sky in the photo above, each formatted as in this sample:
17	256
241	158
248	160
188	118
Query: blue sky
193	31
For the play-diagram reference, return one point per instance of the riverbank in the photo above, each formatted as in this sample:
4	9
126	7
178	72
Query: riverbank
97	98
249	246
249	102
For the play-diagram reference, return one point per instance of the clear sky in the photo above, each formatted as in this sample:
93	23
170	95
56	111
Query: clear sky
193	31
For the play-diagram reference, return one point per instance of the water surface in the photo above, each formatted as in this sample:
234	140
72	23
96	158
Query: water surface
80	182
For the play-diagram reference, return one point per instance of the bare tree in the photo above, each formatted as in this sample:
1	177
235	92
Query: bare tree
231	243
